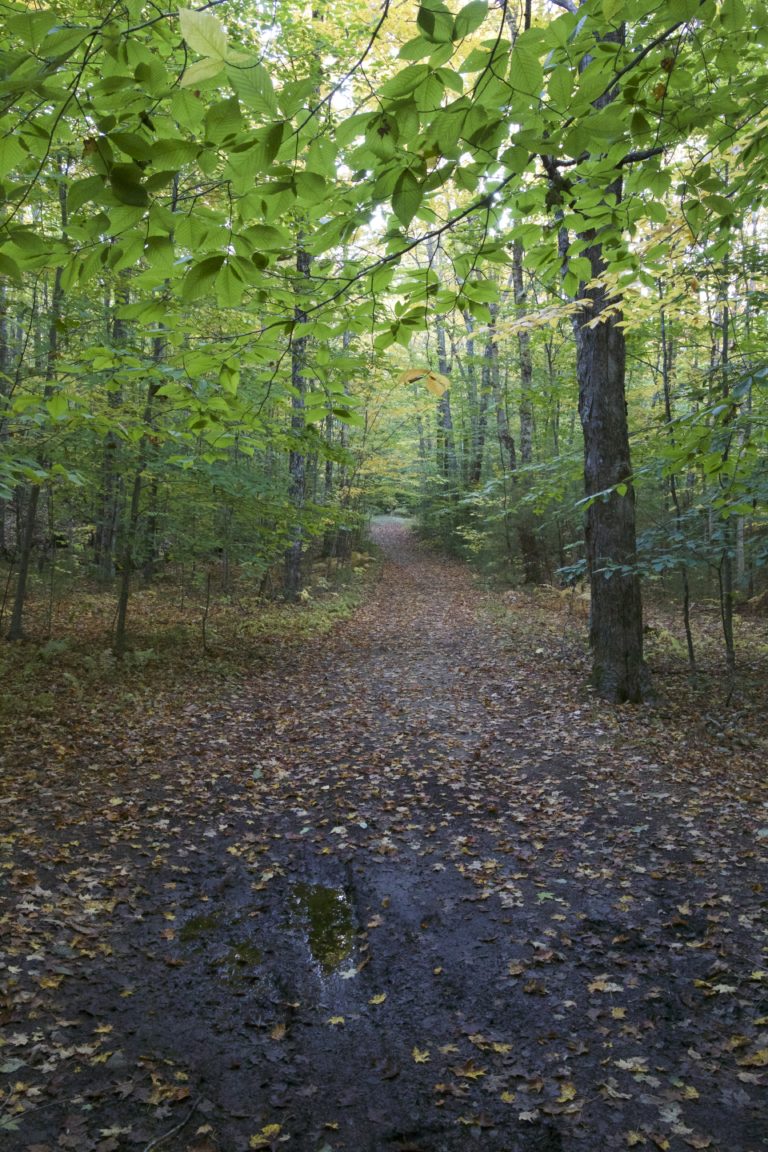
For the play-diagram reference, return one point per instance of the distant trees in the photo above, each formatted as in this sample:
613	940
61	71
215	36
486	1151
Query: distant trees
535	208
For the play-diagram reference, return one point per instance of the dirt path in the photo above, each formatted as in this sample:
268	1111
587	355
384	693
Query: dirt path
389	894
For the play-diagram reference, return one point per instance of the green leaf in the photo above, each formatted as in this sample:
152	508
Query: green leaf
435	21
416	49
57	406
406	198
265	237
469	18
200	278
611	8
253	85
32	27
201	71
11	154
581	267
560	87
204	33
223	121
160	254
405	82
188	110
719	204
79	193
9	268
355	419
125	180
525	71
258	156
61	42
132	144
229	287
173	153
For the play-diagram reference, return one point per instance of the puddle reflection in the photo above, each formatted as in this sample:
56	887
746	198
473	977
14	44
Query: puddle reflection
326	916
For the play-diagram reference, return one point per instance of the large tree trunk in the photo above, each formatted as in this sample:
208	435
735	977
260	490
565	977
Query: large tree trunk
616	621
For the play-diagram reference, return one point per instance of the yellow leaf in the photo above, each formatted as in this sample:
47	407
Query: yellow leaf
507	1097
335	1020
420	1055
266	1137
601	984
379	998
618	1013
435	382
51	981
757	1060
279	1031
567	1092
468	1071
634	1138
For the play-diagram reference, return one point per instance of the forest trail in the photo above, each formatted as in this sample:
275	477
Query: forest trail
394	891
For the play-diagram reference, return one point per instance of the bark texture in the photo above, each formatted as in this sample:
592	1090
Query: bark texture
616	620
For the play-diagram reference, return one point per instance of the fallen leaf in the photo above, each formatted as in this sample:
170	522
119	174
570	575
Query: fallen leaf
266	1138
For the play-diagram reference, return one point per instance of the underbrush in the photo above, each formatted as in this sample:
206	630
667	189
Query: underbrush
702	708
66	660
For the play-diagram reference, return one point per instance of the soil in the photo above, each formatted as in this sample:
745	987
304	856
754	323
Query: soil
405	887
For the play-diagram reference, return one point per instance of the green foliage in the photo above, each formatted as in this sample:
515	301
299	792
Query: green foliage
160	172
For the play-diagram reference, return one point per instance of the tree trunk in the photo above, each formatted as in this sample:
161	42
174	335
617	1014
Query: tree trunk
5	392
728	554
526	524
297	464
108	513
16	628
131	530
616	620
666	379
478	409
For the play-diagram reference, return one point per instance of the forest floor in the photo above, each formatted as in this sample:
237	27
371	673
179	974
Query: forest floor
405	886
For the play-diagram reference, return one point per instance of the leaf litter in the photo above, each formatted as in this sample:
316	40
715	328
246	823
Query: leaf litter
402	885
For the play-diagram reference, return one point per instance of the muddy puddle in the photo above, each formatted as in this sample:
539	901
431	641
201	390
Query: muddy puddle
324	916
315	918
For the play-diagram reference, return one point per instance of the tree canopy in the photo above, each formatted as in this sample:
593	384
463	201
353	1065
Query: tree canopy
266	266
